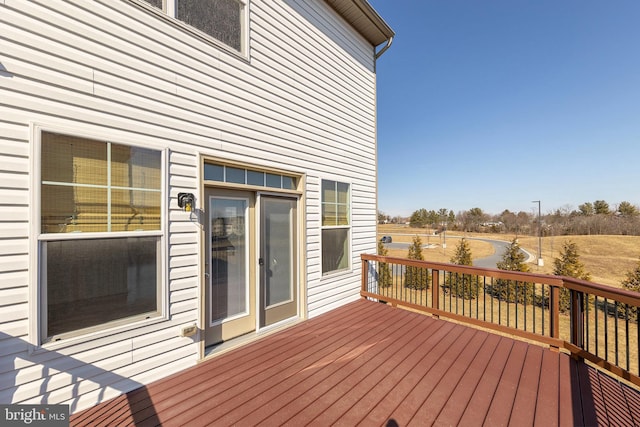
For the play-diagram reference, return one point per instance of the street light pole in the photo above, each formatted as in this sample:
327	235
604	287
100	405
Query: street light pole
540	260
444	235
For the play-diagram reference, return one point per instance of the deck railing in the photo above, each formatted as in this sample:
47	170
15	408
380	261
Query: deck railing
595	322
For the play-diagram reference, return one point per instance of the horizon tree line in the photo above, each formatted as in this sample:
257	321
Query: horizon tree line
590	218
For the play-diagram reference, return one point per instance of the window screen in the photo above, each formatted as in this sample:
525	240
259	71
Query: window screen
221	19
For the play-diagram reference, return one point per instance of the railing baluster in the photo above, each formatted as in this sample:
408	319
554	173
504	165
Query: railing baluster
517	304
478	296
606	330
615	319
508	306
555	313
525	305
500	308
533	306
457	283
595	333
626	334
542	305
451	295
435	288
492	284
586	323
484	298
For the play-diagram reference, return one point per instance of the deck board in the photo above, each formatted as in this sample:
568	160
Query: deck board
462	367
524	406
591	400
371	364
467	387
568	411
304	389
377	386
548	397
327	401
403	386
504	397
435	376
478	406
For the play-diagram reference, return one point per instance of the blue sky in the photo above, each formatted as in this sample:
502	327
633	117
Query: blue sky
495	103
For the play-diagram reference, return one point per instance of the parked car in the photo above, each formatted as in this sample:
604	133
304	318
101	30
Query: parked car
386	239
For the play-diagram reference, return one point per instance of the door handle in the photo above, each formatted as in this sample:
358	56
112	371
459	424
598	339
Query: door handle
260	262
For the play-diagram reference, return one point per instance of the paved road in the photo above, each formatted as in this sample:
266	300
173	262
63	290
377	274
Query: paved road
500	246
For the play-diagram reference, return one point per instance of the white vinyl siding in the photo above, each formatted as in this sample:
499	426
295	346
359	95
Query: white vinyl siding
303	100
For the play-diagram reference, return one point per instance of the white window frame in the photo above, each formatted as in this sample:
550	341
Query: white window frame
349	228
37	293
169	12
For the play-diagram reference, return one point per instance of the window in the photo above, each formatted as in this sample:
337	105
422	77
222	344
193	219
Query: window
237	175
100	233
223	20
335	226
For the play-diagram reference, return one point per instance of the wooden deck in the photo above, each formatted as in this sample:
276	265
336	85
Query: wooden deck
370	364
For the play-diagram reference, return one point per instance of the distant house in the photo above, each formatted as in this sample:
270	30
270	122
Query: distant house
175	175
492	224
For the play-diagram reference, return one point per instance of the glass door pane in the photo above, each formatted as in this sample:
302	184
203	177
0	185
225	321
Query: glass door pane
278	251
278	259
229	258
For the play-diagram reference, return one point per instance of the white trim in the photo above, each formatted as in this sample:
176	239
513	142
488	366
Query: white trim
80	235
244	41
37	298
109	193
258	249
349	268
81	130
34	230
278	324
170	8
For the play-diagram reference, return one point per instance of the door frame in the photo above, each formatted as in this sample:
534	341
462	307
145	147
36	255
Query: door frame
199	216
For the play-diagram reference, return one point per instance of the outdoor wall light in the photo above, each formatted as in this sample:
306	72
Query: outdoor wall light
185	201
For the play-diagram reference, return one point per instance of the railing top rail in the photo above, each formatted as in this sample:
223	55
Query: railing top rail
622	295
467	269
596	289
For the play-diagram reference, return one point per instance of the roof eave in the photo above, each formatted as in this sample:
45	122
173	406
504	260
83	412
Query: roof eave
364	18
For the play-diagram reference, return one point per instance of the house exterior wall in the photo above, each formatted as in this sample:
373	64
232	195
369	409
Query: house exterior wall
302	99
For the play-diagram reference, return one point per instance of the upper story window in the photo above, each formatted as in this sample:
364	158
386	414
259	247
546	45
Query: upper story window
224	20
